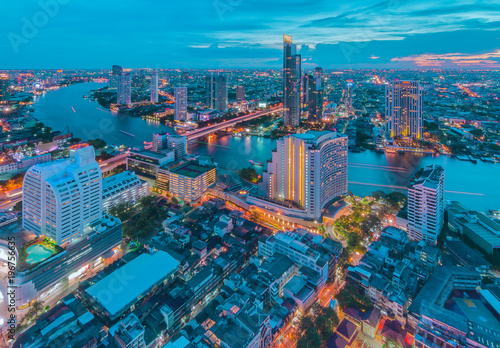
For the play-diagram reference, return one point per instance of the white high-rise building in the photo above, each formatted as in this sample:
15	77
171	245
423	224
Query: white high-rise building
426	205
309	169
124	90
61	198
180	94
154	88
171	142
403	109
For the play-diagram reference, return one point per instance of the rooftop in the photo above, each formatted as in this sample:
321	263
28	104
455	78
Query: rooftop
137	277
191	169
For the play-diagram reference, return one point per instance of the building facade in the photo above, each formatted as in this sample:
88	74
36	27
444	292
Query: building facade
190	180
122	187
308	169
124	90
403	109
426	205
291	83
4	88
170	142
240	93
216	92
154	88
180	94
61	198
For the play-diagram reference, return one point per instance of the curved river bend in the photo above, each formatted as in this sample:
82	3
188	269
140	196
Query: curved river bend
475	185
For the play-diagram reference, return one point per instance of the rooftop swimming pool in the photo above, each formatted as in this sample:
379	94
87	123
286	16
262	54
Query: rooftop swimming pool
37	253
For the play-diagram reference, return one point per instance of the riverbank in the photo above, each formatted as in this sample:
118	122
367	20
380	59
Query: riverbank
368	171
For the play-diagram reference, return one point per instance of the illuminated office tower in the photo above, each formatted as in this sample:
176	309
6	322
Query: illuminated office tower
403	109
318	75
61	198
313	97
240	93
426	205
4	88
291	83
154	88
180	94
124	92
309	169
348	97
216	92
171	142
116	71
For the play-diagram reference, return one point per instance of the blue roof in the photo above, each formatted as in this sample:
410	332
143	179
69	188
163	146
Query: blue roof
119	289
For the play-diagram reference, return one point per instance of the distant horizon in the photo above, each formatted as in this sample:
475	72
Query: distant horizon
263	69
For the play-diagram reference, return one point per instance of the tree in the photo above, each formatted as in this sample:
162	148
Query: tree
322	230
350	296
326	321
19	206
249	174
311	339
37	307
97	143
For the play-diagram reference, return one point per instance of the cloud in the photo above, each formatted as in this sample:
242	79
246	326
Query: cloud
485	60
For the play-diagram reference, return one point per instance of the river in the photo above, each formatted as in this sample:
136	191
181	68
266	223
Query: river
475	185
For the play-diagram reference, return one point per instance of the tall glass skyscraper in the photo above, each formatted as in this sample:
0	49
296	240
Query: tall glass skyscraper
291	82
124	92
216	92
154	88
403	109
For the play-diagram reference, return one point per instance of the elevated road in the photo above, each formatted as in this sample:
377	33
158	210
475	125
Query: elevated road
229	123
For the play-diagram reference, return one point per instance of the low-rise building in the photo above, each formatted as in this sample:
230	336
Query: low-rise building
188	181
122	187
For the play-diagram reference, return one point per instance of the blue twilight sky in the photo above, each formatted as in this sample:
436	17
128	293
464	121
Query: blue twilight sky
248	33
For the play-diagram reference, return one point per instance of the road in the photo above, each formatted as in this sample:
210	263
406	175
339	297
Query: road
229	123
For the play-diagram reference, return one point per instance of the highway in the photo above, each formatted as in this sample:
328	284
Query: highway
229	123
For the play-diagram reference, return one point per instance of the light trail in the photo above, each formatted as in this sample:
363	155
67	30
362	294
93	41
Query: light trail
73	109
101	110
406	188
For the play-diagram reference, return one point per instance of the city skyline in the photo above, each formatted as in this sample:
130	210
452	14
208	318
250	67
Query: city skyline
365	34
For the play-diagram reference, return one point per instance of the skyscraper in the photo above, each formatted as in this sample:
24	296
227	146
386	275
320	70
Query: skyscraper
180	94
309	169
403	109
291	83
172	142
240	93
116	71
4	88
61	198
124	92
313	97
318	75
426	205
154	88
349	85
216	92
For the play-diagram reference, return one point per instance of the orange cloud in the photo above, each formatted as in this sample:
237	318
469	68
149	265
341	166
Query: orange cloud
459	59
